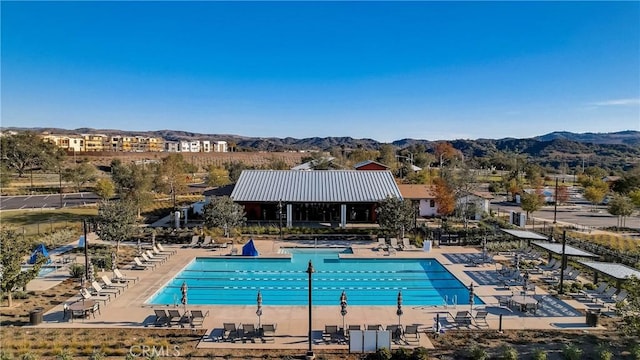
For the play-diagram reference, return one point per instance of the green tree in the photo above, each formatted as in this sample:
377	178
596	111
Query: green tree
105	188
596	192
5	176
635	197
235	168
222	212
80	174
217	176
133	183
172	176
116	221
26	151
622	207
387	154
14	249
531	202
396	216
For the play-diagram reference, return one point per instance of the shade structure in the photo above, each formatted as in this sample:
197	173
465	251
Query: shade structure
259	309
525	282
399	312
343	306
471	297
249	249
153	238
183	290
139	247
41	249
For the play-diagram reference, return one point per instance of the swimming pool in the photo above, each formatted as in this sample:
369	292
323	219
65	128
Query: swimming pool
284	281
44	270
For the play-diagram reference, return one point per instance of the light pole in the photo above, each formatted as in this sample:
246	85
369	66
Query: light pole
86	250
280	217
563	262
555	203
310	271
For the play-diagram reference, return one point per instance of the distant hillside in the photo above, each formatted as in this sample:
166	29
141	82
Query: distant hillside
628	137
556	149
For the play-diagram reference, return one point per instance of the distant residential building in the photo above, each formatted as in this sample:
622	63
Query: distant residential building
476	204
311	165
171	146
370	165
206	146
189	146
424	196
220	146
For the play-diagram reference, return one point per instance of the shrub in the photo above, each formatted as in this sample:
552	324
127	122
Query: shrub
97	355
635	352
420	353
539	354
571	352
28	356
605	354
478	353
76	271
509	353
5	356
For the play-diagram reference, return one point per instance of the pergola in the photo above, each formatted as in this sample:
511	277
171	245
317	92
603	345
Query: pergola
525	235
617	271
554	248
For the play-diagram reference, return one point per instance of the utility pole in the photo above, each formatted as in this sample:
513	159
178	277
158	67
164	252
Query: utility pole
555	203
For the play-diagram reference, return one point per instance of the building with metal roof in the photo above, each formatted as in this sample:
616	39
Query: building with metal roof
336	196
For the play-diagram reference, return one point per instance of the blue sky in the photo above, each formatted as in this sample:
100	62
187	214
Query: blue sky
387	71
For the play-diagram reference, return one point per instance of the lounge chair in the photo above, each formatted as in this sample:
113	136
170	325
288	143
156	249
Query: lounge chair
605	295
268	332
206	242
396	331
616	298
382	244
394	244
194	241
87	295
175	318
162	319
98	290
248	332
111	285
230	332
330	334
197	318
548	266
159	252
411	333
600	289
462	318
139	265
407	246
120	277
161	248
153	257
481	318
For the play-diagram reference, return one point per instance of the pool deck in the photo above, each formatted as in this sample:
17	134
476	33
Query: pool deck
129	309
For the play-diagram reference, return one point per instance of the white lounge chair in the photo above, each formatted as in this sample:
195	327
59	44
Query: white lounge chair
147	259
159	252
98	290
111	285
153	257
161	248
87	295
138	264
120	277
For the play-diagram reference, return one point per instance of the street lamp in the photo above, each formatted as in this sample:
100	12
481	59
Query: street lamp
280	217
555	203
86	250
310	271
563	261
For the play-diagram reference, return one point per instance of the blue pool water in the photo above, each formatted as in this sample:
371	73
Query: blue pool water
236	281
45	270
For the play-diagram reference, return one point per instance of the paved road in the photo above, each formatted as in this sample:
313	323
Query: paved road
579	214
47	201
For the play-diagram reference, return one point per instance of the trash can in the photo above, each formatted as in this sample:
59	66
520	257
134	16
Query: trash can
592	318
35	316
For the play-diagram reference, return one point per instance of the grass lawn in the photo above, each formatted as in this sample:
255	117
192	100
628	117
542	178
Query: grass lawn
39	222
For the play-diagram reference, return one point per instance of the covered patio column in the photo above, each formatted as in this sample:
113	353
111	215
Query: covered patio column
289	212
343	216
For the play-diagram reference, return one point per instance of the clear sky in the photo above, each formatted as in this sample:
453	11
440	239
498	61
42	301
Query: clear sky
381	70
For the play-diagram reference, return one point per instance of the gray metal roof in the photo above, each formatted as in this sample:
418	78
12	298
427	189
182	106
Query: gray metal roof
340	186
522	234
568	251
615	270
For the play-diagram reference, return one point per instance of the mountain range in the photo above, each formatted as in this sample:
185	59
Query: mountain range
610	150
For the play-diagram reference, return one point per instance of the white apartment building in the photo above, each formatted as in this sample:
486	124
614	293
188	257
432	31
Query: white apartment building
171	146
206	146
220	146
190	146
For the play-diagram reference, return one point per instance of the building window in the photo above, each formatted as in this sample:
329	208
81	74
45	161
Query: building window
432	203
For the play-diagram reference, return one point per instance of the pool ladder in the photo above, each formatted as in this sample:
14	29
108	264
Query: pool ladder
454	300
